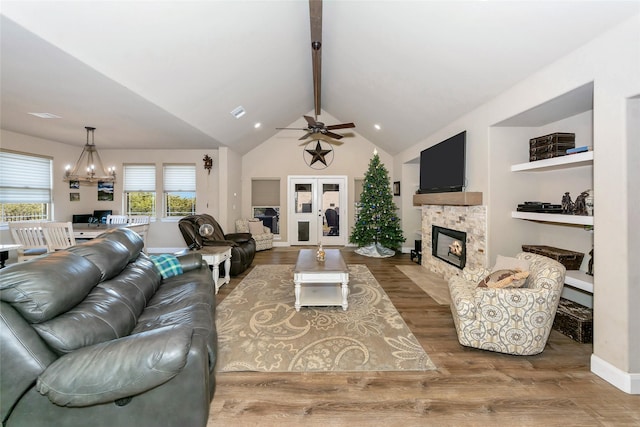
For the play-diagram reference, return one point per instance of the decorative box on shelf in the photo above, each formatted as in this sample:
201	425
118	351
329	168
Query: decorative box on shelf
570	259
550	146
574	320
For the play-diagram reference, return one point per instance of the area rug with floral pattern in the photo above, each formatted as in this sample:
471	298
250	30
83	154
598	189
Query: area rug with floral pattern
260	330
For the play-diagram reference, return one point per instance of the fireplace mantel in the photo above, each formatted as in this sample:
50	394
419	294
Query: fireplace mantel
460	198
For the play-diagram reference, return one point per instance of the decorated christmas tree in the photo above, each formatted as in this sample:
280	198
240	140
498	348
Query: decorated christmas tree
377	230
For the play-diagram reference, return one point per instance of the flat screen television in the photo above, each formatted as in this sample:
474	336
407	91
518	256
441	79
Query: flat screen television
442	166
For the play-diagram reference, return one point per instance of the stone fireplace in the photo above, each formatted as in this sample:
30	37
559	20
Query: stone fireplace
466	222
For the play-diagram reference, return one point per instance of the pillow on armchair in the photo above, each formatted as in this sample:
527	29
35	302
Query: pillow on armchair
261	234
256	227
504	279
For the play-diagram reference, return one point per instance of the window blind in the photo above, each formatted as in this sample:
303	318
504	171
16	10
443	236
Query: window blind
24	178
265	192
140	178
179	178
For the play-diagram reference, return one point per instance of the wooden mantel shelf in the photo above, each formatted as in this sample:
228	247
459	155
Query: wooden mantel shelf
460	198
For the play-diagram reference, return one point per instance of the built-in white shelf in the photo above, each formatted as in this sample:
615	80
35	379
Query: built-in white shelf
579	280
568	161
558	218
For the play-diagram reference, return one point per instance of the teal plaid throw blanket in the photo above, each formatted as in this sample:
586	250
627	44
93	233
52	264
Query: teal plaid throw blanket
168	265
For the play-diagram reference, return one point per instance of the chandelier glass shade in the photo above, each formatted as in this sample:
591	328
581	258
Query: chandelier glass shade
89	168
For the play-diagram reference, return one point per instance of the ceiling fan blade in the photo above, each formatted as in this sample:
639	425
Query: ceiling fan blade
306	136
333	141
291	128
315	15
327	140
310	120
341	126
333	135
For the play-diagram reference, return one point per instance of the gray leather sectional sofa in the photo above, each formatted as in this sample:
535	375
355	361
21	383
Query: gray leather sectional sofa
95	336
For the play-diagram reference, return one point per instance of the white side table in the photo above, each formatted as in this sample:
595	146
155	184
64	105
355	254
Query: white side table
214	256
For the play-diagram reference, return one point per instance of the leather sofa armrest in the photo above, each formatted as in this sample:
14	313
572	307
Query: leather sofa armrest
190	261
238	237
116	369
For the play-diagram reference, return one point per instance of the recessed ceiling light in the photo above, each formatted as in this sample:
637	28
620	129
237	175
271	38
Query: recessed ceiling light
377	126
257	125
46	115
238	112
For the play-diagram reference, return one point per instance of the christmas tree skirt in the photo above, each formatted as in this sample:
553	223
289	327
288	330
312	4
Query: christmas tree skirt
375	250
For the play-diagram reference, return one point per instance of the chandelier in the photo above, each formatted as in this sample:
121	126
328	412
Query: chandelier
88	168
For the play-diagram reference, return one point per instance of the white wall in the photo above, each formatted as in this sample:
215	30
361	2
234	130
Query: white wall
633	208
230	187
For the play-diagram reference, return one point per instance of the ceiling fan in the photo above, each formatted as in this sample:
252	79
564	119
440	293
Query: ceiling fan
314	126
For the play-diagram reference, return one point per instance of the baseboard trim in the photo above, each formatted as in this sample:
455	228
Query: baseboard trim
625	381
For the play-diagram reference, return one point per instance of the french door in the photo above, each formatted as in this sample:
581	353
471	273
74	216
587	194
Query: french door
317	210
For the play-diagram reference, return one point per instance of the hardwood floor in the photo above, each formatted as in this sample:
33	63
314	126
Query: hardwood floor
470	387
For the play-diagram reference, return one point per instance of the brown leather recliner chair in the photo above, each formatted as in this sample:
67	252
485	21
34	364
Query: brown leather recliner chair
243	246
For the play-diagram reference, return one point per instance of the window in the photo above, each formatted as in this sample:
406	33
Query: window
265	201
140	190
25	187
179	190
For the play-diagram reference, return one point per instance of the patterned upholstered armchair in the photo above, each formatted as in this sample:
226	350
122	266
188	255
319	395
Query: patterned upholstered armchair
508	320
261	234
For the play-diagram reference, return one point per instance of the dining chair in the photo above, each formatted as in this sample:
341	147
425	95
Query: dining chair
117	219
138	219
141	226
58	235
29	236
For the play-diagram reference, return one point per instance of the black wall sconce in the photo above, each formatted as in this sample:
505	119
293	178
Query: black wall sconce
208	163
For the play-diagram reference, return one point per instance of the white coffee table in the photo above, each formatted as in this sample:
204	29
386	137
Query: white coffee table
321	283
214	256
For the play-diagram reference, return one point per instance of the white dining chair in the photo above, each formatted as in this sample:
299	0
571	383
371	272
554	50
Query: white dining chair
29	236
139	219
117	219
58	235
140	224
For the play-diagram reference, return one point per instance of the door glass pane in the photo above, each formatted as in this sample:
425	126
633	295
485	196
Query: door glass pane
303	231
303	197
331	209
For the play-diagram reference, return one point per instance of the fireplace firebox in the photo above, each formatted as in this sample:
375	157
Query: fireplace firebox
449	245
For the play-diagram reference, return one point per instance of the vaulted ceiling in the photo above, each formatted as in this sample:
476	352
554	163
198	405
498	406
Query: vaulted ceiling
167	74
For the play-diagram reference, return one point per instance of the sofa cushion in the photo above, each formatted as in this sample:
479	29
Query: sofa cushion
509	263
110	311
116	369
45	287
129	238
110	256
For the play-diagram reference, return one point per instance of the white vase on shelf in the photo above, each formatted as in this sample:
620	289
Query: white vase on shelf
588	201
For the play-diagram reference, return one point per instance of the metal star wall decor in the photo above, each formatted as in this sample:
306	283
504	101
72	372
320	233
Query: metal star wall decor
321	156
